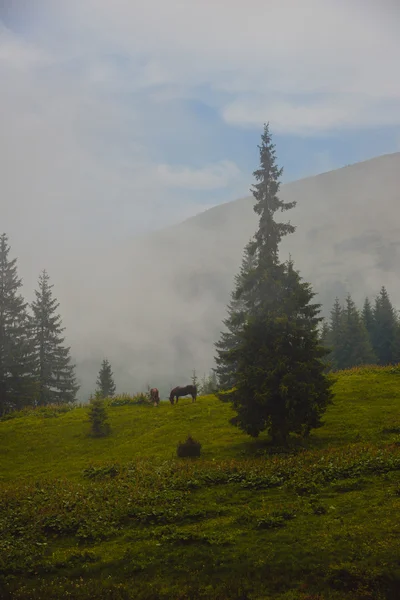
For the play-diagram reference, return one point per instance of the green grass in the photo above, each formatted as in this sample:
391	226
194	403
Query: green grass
121	517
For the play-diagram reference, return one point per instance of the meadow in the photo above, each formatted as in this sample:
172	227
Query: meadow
121	517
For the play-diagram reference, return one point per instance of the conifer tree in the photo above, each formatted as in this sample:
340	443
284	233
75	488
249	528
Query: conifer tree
98	417
279	381
105	380
356	348
209	385
194	378
336	334
225	369
325	341
54	371
368	318
16	358
385	336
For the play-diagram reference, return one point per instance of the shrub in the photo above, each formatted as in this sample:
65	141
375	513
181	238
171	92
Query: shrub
189	448
126	400
49	410
98	418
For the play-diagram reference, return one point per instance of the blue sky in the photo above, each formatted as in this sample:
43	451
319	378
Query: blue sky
128	116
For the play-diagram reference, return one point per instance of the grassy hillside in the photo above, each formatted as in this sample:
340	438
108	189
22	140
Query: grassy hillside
121	517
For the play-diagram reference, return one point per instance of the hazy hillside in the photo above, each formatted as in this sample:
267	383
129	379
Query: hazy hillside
159	300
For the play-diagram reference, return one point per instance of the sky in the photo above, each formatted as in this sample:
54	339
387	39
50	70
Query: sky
121	118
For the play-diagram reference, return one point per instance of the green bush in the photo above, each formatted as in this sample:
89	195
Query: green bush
190	448
50	410
127	400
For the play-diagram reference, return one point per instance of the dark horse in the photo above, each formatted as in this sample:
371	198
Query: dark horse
154	396
183	391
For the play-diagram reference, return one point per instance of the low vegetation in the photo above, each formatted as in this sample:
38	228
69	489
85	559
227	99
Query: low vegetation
189	448
122	517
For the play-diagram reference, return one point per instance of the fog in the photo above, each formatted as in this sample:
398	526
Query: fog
154	305
118	130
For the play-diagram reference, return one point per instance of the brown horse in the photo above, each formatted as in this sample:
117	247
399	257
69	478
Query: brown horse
183	391
154	396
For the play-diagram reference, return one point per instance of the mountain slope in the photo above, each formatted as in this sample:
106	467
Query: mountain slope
165	298
122	518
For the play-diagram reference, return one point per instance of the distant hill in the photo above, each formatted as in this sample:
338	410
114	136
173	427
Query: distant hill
166	293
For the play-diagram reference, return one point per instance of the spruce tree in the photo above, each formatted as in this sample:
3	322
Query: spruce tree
98	417
209	385
225	369
385	336
356	348
54	371
368	318
16	357
194	378
336	335
325	341
279	381
105	380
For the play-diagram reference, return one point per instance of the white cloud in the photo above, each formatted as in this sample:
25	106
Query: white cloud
16	54
316	117
210	177
346	51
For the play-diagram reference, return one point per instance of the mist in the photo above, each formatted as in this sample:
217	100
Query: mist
166	294
126	139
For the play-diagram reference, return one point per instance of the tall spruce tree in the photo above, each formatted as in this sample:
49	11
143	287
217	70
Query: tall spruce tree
385	335
356	348
368	318
325	341
279	380
16	357
336	334
229	339
105	381
54	371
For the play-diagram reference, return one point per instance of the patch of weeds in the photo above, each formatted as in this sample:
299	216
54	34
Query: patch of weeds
101	472
389	430
317	507
270	522
77	559
350	485
304	488
183	537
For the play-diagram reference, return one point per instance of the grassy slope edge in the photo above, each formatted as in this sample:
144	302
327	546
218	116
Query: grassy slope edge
121	517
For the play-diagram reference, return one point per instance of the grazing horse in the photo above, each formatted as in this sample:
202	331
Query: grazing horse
154	396
183	391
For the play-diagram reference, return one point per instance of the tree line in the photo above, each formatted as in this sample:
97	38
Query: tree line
358	337
35	365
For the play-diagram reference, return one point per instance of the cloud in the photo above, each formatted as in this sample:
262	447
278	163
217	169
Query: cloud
278	51
317	117
207	178
18	54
